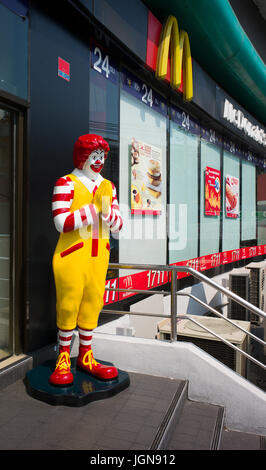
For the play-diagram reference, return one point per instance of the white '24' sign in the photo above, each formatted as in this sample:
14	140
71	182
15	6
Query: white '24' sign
102	63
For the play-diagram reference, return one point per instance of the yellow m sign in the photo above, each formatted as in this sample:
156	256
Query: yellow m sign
180	57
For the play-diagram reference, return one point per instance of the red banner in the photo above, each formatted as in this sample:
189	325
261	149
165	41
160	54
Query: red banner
145	280
111	296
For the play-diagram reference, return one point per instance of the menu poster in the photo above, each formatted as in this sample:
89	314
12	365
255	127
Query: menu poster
146	178
212	191
232	196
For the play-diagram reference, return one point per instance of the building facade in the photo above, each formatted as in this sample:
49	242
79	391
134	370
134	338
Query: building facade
188	161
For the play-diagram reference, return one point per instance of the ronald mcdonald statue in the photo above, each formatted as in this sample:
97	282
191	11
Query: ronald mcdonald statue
85	209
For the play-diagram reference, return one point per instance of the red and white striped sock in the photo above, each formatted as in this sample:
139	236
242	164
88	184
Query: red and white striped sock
85	338
64	340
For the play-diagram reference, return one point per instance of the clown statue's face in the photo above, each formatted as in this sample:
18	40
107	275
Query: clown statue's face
90	152
94	163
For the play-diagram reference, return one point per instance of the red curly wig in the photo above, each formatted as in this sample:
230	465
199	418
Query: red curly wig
85	145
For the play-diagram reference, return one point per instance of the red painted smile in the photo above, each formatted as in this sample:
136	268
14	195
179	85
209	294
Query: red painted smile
97	167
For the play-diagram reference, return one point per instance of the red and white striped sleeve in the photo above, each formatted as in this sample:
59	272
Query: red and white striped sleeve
114	219
64	219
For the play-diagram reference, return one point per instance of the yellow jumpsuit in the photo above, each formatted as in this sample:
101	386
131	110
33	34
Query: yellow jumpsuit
80	265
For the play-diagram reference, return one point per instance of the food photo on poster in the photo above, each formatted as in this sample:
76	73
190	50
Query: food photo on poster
212	191
146	178
232	196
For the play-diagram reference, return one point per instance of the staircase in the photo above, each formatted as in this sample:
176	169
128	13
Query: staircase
153	413
190	425
195	425
200	426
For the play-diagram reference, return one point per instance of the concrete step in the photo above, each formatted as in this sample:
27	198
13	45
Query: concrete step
153	413
234	440
199	427
13	369
140	417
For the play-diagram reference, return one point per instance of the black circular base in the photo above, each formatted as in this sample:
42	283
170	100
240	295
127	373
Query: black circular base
84	389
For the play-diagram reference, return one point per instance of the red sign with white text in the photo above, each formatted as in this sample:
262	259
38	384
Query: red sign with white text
111	296
145	280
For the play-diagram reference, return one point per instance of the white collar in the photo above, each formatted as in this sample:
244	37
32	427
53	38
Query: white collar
90	184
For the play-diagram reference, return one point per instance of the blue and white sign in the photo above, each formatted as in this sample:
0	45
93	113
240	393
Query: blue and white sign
102	62
184	120
143	92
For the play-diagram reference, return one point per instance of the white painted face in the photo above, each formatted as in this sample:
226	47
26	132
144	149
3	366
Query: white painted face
94	163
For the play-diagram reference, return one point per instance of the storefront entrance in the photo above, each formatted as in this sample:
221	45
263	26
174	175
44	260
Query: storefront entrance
10	151
6	198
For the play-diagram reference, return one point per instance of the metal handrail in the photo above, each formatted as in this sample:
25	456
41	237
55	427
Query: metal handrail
195	273
173	291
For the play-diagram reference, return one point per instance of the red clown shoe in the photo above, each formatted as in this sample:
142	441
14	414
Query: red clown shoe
62	376
87	362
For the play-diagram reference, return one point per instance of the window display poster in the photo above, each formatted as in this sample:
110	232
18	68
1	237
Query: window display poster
212	191
146	178
232	196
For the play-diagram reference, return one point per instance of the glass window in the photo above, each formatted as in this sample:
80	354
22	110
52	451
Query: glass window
87	4
14	53
209	224
103	120
127	20
261	206
5	231
248	206
183	199
142	175
230	202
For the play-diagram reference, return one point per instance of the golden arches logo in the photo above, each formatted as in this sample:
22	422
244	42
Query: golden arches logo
180	56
